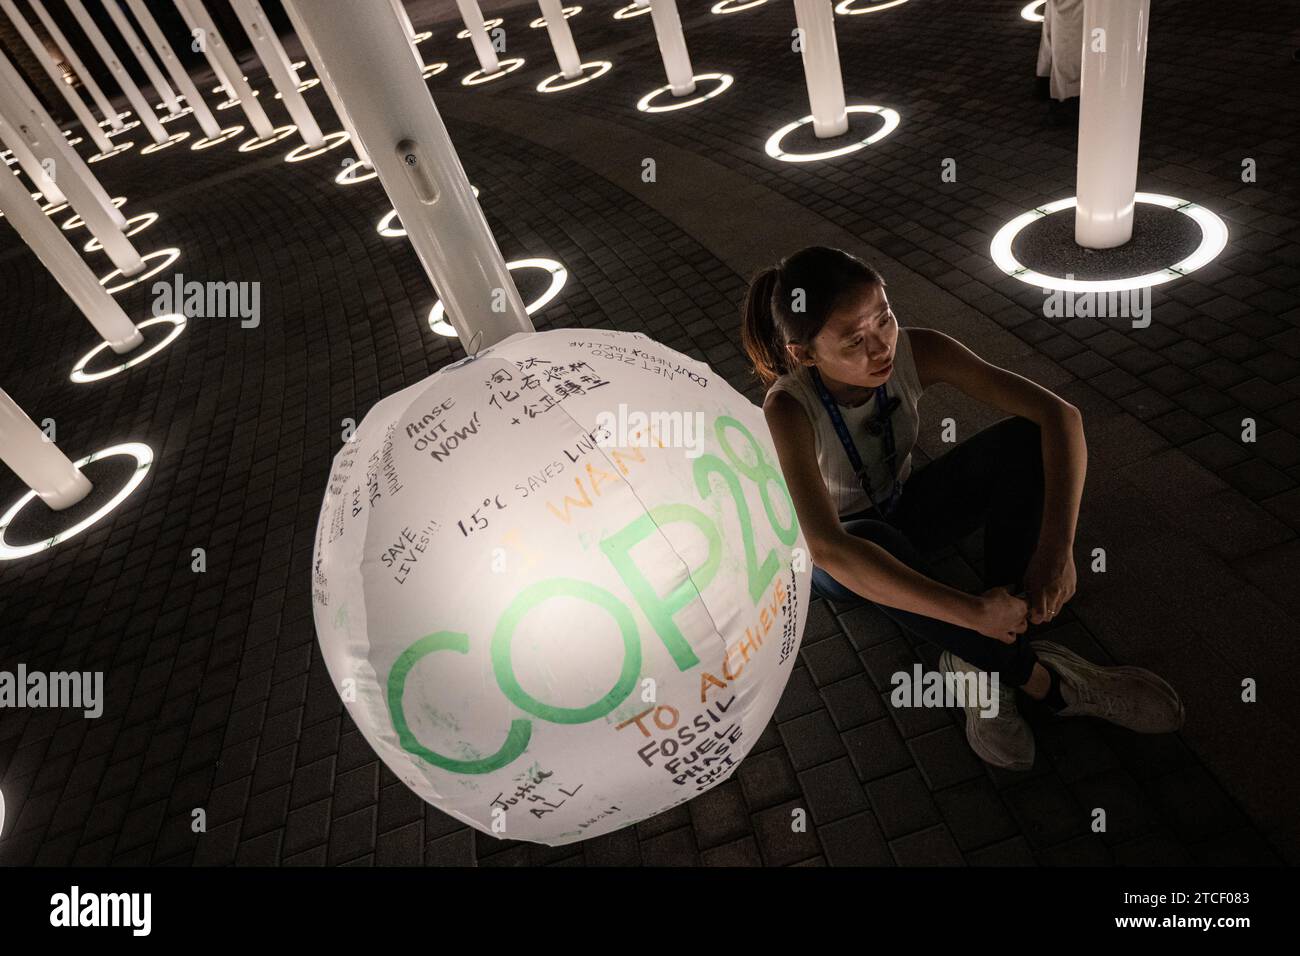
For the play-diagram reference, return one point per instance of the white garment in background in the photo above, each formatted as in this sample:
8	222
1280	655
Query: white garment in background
1060	48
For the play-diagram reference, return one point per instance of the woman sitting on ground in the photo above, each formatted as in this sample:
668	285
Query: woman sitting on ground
843	383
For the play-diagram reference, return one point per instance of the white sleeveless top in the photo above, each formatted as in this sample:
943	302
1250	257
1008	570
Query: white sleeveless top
833	461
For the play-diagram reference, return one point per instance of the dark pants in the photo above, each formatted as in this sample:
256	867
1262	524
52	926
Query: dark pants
993	479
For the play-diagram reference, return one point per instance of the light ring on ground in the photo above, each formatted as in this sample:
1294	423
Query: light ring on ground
142	222
847	8
229	133
51	210
1214	237
557	83
172	117
231	104
508	65
121	116
773	146
348	177
332	141
540	22
422	36
487	25
165	258
303	87
281	132
76	222
723	7
171	140
433	69
1032	11
559	276
119	148
143	456
724	82
80	375
125	126
74	141
630	11
180	98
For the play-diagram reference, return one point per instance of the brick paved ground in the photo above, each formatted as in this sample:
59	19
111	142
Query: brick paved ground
217	693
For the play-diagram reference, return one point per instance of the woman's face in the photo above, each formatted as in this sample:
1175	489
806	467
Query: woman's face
856	345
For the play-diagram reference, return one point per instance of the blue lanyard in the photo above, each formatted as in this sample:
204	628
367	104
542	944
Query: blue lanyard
885	428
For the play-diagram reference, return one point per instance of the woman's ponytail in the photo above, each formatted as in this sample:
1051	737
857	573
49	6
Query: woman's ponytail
758	332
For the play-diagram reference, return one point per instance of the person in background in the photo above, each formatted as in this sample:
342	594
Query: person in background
844	378
1060	59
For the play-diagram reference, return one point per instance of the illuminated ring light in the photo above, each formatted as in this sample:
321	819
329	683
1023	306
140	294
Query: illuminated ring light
180	98
108	122
422	36
304	86
80	375
723	7
630	11
348	177
724	82
143	456
227	134
281	132
332	141
76	221
2	813
773	146
74	141
487	25
433	69
169	141
51	210
142	222
297	65
507	66
231	104
847	9
559	276
1032	13
170	117
165	256
1214	236
540	22
125	126
119	148
557	83
386	227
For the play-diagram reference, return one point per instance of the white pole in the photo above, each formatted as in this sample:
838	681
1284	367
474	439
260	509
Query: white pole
219	55
38	462
417	164
405	19
70	54
84	193
1110	119
51	68
483	48
672	46
566	54
276	61
218	70
57	255
327	81
138	103
160	85
821	66
30	164
207	122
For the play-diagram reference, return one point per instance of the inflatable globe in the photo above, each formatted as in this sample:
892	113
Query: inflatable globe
560	585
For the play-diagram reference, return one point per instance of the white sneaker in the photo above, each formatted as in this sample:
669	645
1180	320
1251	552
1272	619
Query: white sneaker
1004	740
1131	697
